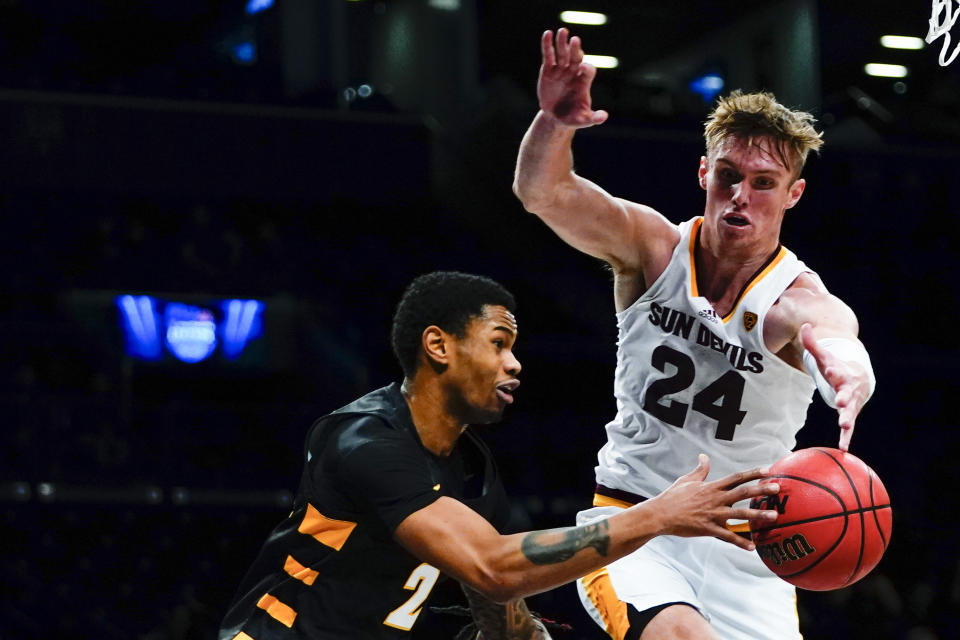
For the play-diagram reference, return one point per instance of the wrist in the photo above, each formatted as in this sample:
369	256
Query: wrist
552	123
651	520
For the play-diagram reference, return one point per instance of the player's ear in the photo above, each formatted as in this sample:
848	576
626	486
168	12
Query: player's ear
796	190
702	173
436	346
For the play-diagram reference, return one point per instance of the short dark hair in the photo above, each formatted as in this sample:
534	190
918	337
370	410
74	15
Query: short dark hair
447	299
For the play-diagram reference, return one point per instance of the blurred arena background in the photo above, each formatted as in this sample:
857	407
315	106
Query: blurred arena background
210	207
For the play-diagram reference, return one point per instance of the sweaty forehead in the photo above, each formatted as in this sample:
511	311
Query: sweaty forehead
760	152
495	316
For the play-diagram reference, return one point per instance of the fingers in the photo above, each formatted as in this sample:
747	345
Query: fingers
576	51
846	433
547	52
765	516
736	479
848	411
750	491
563	51
566	56
747	492
729	536
848	406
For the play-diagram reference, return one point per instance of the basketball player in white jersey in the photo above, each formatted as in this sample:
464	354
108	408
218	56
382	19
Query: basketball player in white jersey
723	336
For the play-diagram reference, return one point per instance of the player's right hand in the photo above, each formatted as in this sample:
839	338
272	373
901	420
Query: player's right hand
693	507
563	88
849	379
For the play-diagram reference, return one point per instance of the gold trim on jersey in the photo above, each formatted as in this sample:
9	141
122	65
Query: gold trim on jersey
694	233
612	610
607	501
779	254
332	533
300	572
282	613
242	636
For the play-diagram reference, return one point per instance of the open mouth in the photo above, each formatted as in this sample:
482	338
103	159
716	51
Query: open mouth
736	221
505	390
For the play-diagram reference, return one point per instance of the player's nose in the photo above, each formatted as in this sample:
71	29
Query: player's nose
741	193
511	365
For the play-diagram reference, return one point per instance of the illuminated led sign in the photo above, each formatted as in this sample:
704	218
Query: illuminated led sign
189	332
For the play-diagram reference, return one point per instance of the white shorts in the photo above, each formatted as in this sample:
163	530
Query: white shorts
731	587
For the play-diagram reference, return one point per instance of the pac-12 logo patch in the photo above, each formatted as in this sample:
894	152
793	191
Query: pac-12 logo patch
749	320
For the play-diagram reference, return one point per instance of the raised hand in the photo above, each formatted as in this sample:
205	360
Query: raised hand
563	88
849	381
692	507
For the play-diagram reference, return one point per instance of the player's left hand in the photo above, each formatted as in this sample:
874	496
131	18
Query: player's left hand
849	380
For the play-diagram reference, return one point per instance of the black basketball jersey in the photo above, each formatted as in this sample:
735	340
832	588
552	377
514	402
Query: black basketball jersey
332	569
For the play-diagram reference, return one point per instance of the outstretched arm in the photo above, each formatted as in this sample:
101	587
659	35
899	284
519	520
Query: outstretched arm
629	236
458	541
822	332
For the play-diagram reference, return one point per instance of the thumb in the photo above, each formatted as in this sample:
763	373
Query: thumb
701	471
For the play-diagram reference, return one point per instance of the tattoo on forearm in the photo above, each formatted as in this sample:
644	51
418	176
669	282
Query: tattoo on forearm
556	545
511	621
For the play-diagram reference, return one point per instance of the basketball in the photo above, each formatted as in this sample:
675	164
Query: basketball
834	520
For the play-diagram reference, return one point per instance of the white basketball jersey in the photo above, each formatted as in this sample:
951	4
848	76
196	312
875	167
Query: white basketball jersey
688	381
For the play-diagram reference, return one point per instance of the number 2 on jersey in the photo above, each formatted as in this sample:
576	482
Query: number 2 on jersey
719	400
421	580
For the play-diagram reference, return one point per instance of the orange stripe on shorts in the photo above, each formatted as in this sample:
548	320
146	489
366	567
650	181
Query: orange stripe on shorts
613	610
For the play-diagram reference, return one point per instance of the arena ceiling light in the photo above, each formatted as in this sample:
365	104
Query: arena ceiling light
901	42
601	62
583	17
885	70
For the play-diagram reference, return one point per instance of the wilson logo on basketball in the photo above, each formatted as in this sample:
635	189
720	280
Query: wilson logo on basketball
790	549
749	320
771	502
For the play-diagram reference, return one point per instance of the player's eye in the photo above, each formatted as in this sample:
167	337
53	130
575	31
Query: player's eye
729	176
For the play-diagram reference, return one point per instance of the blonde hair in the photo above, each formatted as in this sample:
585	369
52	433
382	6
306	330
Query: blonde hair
749	115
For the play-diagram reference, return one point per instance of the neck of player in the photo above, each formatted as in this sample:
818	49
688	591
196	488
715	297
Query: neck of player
437	427
722	271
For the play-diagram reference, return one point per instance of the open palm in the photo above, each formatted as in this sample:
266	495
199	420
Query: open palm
563	88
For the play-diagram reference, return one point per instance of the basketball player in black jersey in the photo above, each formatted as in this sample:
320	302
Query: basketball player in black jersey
397	488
